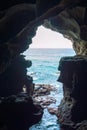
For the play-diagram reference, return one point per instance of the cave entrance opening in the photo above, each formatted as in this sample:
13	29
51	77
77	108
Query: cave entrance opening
45	52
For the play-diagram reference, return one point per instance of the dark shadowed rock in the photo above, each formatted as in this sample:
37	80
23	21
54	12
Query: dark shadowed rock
5	4
18	112
73	76
14	78
18	24
15	19
43	6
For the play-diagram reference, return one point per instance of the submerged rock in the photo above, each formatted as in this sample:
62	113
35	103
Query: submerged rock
43	89
52	111
42	94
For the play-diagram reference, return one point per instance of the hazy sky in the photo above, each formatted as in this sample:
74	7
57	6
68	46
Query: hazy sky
45	38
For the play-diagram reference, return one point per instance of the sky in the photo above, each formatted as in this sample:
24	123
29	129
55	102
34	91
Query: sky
46	38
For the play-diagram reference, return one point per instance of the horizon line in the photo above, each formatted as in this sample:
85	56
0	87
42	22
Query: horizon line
50	48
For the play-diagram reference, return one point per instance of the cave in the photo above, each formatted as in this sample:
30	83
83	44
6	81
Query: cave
19	21
45	53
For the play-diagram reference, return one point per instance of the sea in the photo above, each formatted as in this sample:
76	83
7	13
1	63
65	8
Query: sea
44	70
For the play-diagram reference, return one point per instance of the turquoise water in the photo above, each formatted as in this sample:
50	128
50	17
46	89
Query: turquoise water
44	70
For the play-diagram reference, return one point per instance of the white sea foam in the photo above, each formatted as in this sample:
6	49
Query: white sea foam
44	70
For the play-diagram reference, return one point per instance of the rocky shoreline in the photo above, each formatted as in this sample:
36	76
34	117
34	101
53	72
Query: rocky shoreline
42	94
25	109
71	112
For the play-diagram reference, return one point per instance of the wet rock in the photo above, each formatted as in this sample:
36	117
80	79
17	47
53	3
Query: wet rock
43	89
47	101
53	110
19	112
42	94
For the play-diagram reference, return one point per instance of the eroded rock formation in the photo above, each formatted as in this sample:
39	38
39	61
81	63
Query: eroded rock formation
73	107
18	112
19	20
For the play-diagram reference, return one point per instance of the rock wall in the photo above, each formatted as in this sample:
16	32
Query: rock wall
15	77
17	108
19	20
73	107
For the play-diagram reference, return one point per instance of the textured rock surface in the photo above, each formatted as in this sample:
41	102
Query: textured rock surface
14	78
18	112
73	107
66	17
42	96
19	20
